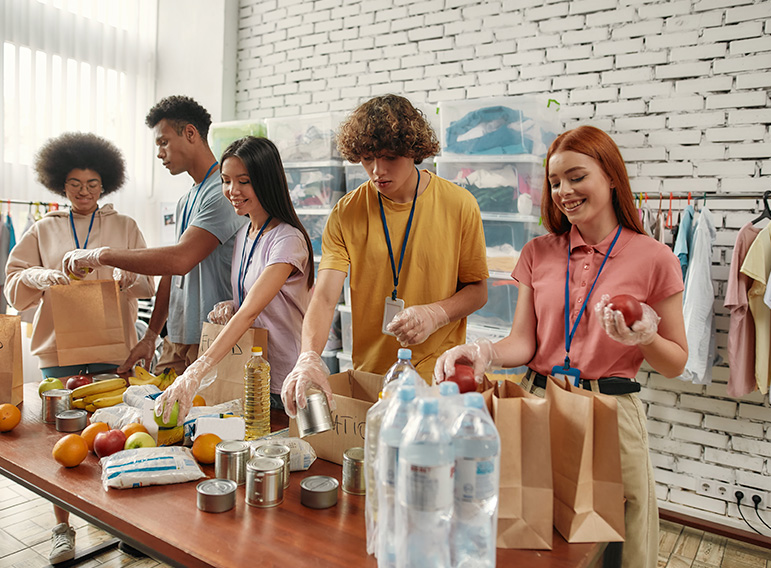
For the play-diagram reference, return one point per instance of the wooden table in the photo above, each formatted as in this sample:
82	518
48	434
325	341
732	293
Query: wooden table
164	521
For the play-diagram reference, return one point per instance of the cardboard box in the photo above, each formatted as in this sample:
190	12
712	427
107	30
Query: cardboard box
354	392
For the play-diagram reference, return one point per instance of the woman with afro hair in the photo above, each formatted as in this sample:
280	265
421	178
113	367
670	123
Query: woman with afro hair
81	167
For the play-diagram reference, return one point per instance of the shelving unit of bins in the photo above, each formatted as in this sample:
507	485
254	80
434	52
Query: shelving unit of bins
222	134
305	138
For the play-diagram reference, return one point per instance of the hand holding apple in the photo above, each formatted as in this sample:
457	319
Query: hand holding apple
642	331
628	306
464	378
49	384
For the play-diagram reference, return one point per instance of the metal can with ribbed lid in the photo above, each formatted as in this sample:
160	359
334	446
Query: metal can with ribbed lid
264	482
216	495
353	471
72	420
279	451
319	491
230	457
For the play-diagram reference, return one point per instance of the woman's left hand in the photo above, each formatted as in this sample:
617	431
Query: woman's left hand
642	332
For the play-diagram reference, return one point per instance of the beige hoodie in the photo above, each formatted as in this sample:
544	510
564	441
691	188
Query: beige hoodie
45	244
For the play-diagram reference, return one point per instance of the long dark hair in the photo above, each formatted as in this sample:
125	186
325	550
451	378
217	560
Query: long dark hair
266	172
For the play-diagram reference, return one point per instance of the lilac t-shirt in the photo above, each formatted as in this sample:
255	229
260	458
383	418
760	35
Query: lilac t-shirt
283	316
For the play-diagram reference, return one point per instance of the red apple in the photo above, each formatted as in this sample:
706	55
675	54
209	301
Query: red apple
629	307
464	377
79	381
107	443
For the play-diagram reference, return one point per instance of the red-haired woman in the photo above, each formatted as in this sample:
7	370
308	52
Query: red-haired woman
596	248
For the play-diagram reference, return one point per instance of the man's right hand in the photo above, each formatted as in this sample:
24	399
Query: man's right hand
309	370
144	349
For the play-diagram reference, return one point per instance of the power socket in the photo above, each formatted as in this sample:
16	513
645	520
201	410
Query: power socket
727	492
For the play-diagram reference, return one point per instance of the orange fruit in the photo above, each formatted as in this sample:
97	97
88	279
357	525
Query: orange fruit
198	400
90	432
70	450
129	429
10	416
204	447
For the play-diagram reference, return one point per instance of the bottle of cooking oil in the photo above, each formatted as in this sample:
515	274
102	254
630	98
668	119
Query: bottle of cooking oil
257	395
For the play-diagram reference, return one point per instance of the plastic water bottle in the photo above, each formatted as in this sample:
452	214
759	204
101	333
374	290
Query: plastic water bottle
477	472
403	363
394	420
256	396
424	490
450	403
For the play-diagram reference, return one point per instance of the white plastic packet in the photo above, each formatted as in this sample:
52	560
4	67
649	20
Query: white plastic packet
136	395
116	417
149	466
301	453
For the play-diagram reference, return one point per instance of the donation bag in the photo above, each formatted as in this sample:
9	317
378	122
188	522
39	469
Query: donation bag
11	369
229	384
92	323
586	461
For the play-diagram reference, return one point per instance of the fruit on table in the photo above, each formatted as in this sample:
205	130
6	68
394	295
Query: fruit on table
198	400
49	384
107	443
99	394
134	427
144	377
464	377
79	381
204	447
90	432
70	450
629	307
10	416
139	440
172	419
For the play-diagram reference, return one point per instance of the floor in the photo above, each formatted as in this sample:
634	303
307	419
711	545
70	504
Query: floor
26	521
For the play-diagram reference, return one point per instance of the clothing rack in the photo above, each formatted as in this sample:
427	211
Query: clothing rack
21	202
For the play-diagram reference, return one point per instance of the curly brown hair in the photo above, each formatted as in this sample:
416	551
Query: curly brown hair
388	124
79	150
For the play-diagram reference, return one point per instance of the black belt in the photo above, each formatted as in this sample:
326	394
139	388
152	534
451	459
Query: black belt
607	385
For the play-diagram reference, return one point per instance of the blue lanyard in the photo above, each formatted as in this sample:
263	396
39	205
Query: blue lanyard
75	233
186	214
245	262
394	271
569	334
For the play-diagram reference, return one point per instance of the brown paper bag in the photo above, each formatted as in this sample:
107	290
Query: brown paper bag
230	371
586	460
91	322
11	371
525	507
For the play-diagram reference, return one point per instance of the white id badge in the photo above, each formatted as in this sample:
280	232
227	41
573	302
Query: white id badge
392	307
179	282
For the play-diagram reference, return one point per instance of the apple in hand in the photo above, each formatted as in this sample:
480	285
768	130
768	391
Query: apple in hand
464	377
139	440
107	443
629	307
172	419
79	381
49	384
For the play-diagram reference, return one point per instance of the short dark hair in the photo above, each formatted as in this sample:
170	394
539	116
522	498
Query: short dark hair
266	173
179	111
387	124
79	150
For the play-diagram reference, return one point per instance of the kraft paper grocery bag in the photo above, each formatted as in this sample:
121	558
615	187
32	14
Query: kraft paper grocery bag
91	322
586	461
525	507
11	369
229	384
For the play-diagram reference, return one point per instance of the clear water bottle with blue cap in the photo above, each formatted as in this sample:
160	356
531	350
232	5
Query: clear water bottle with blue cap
477	476
450	403
402	365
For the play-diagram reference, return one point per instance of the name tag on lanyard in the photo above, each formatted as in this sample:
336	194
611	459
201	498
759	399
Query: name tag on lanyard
392	307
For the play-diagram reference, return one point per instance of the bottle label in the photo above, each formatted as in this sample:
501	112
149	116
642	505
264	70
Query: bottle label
474	479
429	488
391	459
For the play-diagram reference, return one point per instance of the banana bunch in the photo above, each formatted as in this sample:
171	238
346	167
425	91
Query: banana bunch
145	377
99	394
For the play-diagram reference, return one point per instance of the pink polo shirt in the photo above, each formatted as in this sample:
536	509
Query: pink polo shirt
638	265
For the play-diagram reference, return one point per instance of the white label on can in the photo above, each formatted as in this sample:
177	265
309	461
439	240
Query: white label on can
429	488
474	479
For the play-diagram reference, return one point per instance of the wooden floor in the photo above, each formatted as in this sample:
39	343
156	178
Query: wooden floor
26	521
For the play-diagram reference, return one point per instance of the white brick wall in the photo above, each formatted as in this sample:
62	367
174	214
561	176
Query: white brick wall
680	84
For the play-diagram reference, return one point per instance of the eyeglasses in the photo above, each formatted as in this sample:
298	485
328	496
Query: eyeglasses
76	185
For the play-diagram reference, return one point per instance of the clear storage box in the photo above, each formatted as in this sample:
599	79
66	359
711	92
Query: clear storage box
345	362
222	134
504	241
308	137
498	312
314	224
315	185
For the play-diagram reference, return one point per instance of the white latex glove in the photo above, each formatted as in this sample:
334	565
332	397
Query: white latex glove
43	278
481	354
416	323
79	262
308	371
183	389
125	278
642	332
222	312
144	349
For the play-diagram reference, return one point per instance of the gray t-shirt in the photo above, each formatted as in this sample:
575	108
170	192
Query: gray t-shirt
194	294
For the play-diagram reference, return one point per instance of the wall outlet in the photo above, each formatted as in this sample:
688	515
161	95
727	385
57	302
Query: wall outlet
727	492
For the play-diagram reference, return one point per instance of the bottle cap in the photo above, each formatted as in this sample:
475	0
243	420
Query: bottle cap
257	349
404	353
448	388
406	392
473	400
428	406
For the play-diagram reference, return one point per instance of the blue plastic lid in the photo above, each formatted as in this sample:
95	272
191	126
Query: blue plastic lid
406	392
448	388
428	405
404	353
473	400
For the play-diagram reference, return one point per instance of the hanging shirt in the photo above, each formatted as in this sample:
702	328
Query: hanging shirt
4	249
757	265
11	232
741	331
697	306
684	239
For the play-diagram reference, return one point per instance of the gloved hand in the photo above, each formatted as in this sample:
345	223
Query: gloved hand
642	332
481	354
183	389
125	278
416	323
144	349
309	370
222	312
78	262
43	278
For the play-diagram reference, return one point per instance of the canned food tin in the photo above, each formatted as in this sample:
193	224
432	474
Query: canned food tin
73	420
54	402
230	459
105	376
216	495
264	482
353	471
315	417
279	451
319	491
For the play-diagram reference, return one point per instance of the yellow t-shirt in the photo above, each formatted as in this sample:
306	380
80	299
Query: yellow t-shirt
446	245
757	265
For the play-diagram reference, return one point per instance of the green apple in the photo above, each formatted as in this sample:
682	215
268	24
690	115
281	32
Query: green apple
49	384
139	440
172	420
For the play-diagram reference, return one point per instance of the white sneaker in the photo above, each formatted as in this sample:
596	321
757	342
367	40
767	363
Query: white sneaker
63	543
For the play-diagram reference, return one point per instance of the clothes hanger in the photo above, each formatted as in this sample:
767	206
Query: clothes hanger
766	213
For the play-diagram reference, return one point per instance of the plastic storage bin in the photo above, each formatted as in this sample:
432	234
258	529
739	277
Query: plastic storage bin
222	134
345	362
314	224
315	185
308	137
346	328
504	241
498	312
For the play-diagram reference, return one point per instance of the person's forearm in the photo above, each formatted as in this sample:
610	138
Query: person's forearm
465	301
161	261
665	356
316	324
